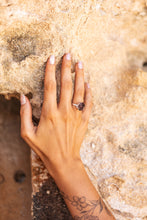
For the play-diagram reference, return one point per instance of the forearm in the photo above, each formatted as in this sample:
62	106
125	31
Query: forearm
79	194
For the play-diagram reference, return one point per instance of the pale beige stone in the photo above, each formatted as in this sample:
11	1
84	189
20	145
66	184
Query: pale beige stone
110	37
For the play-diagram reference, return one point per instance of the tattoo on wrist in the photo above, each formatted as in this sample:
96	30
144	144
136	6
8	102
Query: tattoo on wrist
89	210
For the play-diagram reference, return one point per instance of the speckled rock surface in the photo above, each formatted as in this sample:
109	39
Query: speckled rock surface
110	37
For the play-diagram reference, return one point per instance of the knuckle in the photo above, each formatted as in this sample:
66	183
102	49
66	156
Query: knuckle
66	114
50	86
66	63
80	92
91	104
52	116
78	116
79	72
89	98
67	84
86	117
44	113
26	133
67	117
48	114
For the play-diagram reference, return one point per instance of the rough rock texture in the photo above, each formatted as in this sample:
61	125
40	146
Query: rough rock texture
110	37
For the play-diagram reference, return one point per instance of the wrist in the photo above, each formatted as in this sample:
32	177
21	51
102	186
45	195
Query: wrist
66	168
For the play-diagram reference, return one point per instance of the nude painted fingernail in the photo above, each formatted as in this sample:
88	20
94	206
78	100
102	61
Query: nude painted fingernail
52	59
88	85
80	65
68	56
22	99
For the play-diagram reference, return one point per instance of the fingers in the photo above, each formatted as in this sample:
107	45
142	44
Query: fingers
79	83
66	82
50	103
27	127
88	103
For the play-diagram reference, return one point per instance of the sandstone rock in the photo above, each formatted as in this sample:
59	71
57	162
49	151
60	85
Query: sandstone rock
110	37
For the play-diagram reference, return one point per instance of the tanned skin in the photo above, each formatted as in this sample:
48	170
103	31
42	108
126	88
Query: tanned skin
58	138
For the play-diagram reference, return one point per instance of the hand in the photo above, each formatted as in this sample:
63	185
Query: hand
62	127
58	138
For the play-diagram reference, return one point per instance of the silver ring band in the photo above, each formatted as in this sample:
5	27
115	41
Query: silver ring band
79	105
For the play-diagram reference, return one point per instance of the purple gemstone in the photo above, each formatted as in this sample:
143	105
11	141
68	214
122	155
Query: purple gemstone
81	106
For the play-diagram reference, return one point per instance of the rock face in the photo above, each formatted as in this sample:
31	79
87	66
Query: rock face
110	37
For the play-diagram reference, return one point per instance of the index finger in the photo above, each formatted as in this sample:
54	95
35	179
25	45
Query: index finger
50	103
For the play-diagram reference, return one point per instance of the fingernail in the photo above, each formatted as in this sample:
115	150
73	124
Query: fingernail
80	65
22	99
68	56
88	85
52	59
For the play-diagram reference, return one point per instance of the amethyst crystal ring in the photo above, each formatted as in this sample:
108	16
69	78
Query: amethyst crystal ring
79	105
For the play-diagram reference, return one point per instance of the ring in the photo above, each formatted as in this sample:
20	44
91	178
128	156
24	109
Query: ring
79	105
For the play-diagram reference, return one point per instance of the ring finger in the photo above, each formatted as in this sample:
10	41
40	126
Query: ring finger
79	83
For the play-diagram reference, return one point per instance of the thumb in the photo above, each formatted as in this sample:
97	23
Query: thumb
27	127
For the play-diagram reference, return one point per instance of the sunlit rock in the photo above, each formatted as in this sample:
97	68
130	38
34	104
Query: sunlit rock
110	37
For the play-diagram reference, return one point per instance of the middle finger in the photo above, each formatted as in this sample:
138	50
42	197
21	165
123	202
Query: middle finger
66	82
